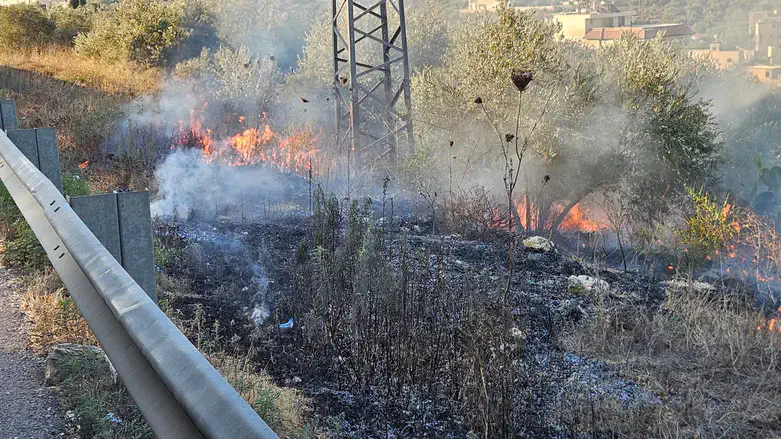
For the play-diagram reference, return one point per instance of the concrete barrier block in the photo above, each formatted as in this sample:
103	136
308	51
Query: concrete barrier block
100	215
8	120
27	142
49	155
135	231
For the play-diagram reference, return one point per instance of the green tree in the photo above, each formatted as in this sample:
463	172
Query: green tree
70	22
142	31
623	118
24	27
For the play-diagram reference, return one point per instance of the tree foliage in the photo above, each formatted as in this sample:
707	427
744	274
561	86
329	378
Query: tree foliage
625	117
137	30
24	27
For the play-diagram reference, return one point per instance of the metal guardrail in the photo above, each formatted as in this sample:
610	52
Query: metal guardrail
178	391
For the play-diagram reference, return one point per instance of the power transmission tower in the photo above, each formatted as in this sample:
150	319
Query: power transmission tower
371	78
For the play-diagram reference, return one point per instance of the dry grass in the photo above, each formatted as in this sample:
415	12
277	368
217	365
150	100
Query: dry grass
82	98
55	317
121	79
285	409
716	373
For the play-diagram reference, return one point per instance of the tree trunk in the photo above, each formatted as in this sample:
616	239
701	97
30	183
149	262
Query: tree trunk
577	199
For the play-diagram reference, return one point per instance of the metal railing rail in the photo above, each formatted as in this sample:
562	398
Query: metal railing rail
180	394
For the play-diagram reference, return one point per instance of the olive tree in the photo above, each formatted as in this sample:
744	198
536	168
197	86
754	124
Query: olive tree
24	27
624	117
136	30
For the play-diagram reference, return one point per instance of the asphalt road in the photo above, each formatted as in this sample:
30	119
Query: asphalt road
28	410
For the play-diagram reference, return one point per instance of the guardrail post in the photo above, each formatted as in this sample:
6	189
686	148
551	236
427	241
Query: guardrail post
122	222
8	120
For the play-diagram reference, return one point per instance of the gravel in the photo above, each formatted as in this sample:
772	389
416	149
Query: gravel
28	410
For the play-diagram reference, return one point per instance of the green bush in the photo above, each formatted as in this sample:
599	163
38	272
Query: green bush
136	30
24	27
70	22
22	249
74	185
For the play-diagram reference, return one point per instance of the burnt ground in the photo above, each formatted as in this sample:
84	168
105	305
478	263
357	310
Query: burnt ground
244	269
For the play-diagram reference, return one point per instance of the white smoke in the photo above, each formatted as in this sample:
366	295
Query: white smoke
188	185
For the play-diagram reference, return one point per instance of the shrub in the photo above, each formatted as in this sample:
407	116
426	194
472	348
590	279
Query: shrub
22	249
710	226
136	30
232	76
70	22
403	332
24	27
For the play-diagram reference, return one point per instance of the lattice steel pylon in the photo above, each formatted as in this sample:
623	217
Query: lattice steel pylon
371	77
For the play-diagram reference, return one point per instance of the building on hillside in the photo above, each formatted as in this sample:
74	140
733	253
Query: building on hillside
724	59
475	6
766	73
767	36
755	16
605	36
575	25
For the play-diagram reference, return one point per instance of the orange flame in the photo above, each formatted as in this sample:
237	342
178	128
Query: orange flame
575	220
294	153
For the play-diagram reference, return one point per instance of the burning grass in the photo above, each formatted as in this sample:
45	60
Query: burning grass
298	152
718	376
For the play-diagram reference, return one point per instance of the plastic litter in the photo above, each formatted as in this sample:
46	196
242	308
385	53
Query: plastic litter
288	325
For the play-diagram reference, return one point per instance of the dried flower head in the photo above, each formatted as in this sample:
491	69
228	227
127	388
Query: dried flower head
509	138
478	100
451	143
521	80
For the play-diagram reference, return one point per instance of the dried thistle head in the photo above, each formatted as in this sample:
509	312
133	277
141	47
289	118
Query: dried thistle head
521	80
509	137
478	100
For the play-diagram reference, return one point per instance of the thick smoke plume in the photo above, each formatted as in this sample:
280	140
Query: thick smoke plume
189	186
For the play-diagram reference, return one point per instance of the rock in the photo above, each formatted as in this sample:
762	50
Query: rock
517	334
696	286
71	355
538	244
587	283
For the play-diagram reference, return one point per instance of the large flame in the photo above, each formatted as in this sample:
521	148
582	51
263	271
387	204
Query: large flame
576	220
261	145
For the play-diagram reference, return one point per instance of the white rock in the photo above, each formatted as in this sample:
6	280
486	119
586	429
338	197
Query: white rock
67	354
517	333
587	283
696	286
538	244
